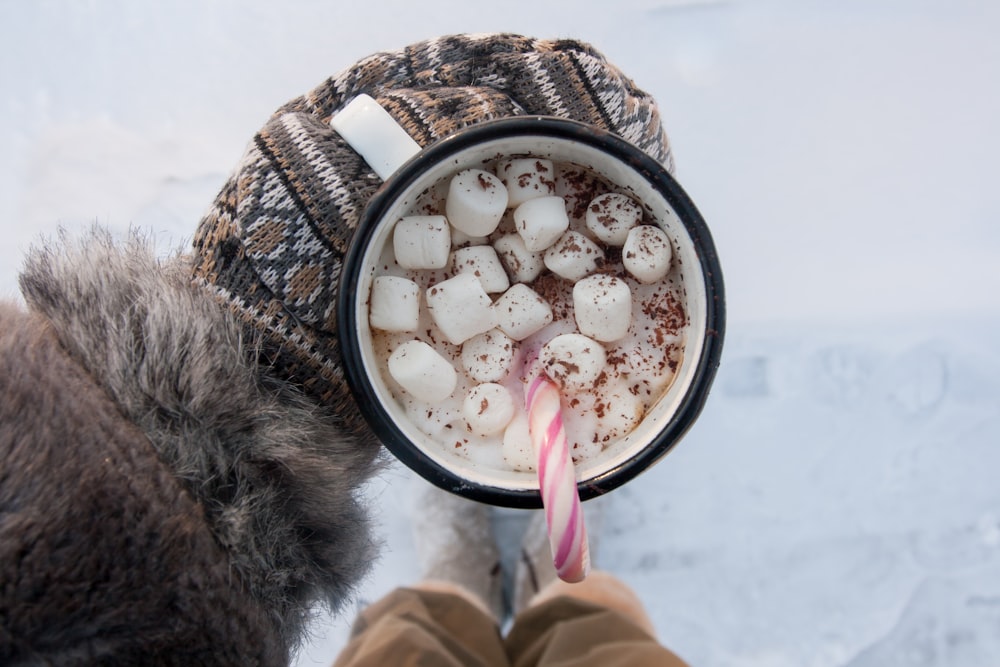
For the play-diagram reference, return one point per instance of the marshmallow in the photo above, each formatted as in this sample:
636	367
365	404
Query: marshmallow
476	202
602	306
422	372
422	242
541	221
573	361
580	423
488	356
618	411
522	264
517	450
460	239
460	308
520	312
610	217
526	178
647	253
585	448
650	363
573	256
488	408
394	304
482	262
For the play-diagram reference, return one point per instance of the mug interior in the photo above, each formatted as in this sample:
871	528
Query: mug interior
619	460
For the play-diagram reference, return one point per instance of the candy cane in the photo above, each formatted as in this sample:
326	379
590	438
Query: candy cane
557	480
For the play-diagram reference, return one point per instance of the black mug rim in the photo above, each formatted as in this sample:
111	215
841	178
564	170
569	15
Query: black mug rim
691	404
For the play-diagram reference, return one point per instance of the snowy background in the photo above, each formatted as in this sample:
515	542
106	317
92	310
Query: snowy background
838	504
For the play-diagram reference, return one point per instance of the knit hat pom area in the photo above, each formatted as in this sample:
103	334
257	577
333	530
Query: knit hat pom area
272	244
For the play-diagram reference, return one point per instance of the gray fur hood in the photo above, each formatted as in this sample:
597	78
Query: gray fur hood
277	476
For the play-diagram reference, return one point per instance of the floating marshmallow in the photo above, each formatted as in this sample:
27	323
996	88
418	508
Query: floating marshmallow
460	239
610	217
520	312
573	361
541	221
522	264
602	306
476	202
516	448
573	256
647	253
526	178
488	356
394	304
460	308
488	408
580	423
618	411
483	262
422	242
650	366
422	372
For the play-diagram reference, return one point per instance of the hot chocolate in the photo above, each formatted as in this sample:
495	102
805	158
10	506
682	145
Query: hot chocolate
526	261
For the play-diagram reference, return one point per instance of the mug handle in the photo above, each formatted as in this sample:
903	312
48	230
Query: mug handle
374	135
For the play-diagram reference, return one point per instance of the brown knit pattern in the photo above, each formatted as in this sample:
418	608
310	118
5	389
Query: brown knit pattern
272	244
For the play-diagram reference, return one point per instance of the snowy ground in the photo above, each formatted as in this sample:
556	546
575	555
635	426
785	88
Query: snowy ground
837	503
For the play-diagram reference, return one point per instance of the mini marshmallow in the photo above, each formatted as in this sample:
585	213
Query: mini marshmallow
488	408
422	242
541	221
520	312
476	201
585	449
618	410
522	264
517	450
482	262
573	361
460	308
488	356
422	372
602	306
526	178
573	256
460	239
580	424
394	304
647	253
610	217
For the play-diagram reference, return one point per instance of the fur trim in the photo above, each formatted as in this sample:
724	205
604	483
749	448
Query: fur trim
104	557
277	475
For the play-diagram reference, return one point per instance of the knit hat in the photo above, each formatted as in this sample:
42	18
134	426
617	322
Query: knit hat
272	244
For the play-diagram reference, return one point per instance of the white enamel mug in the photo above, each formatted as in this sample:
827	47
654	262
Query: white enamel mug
408	171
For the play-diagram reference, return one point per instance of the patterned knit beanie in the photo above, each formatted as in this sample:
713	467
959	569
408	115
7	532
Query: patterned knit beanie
271	246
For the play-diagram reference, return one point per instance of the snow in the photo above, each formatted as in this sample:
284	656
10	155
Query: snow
836	505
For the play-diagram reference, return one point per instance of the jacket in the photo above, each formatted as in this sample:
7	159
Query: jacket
164	498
